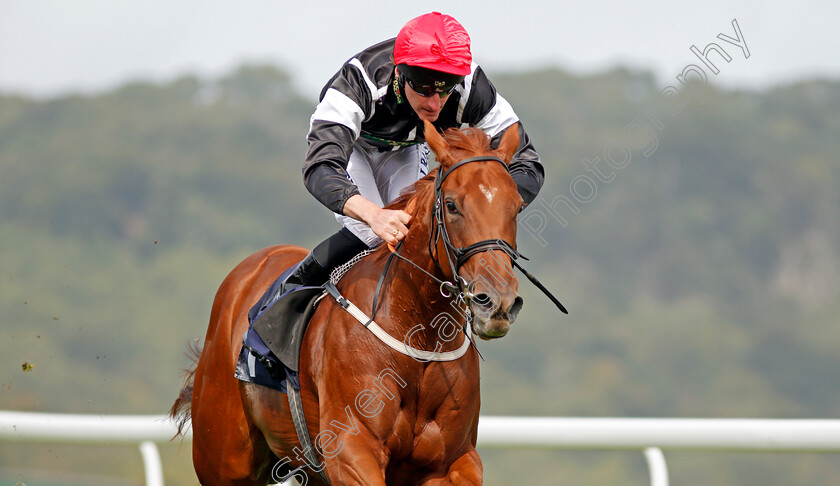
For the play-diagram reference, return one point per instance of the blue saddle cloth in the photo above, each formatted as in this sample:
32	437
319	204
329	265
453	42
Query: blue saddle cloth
256	363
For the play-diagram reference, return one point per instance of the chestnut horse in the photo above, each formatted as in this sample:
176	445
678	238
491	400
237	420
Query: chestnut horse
376	416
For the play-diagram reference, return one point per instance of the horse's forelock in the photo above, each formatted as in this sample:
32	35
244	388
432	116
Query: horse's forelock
471	139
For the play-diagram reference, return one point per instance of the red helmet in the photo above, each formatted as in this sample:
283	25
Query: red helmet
434	41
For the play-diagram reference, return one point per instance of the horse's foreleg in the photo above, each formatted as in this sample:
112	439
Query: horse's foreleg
360	463
465	471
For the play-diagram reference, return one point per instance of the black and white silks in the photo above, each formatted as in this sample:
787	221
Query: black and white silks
358	106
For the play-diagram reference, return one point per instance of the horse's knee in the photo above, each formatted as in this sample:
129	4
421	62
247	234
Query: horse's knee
466	471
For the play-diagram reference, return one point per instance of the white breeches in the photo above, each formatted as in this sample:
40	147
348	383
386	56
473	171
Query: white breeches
380	177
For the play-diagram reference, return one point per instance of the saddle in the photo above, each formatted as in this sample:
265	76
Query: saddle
282	323
270	354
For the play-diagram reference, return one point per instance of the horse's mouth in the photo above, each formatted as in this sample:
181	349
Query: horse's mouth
488	324
489	329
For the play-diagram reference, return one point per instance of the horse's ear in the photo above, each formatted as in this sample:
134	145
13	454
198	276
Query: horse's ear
509	143
436	143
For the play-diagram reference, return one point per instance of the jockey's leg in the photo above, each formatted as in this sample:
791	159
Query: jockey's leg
315	268
380	177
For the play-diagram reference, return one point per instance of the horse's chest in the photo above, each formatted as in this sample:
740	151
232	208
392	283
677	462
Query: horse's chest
442	418
429	445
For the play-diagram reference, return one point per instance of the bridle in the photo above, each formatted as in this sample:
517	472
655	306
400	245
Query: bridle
457	256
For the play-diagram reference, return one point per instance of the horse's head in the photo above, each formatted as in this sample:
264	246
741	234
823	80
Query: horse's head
476	207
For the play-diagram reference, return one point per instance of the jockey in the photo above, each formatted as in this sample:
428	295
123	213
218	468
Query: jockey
366	140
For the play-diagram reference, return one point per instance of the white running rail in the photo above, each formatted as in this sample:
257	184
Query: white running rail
649	435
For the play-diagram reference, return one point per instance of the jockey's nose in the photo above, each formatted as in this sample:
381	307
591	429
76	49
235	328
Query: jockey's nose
434	102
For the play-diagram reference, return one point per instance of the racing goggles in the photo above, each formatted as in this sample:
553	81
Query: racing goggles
425	90
427	82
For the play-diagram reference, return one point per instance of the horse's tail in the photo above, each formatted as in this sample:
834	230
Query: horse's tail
180	411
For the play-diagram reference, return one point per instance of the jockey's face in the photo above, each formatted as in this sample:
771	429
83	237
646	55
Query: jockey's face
427	108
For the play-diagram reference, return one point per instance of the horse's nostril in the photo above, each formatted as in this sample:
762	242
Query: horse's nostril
518	302
483	300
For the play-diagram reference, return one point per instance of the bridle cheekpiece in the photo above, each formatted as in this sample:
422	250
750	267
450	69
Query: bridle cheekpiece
457	256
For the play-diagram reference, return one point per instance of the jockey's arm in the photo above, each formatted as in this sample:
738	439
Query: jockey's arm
525	168
326	178
489	111
383	222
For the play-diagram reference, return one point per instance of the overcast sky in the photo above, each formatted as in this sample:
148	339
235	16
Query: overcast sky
54	47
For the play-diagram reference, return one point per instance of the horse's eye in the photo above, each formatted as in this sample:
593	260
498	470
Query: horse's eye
451	207
521	208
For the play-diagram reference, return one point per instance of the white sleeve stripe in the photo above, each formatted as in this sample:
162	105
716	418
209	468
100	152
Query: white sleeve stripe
499	118
372	87
375	93
465	94
337	107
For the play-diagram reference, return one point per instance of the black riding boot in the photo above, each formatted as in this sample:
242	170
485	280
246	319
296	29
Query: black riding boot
316	267
307	272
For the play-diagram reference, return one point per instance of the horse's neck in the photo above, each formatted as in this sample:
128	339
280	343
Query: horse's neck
414	298
408	297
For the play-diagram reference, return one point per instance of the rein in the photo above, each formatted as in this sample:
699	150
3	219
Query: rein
456	256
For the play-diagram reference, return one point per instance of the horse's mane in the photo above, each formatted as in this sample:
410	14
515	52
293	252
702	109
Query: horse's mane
470	140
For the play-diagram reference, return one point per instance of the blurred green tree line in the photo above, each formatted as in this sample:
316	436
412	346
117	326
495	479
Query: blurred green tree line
702	277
